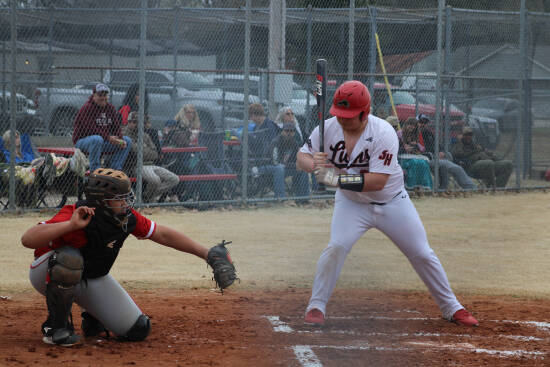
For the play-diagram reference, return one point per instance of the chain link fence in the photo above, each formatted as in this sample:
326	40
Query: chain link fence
487	71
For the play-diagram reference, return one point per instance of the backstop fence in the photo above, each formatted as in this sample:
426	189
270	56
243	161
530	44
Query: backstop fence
486	73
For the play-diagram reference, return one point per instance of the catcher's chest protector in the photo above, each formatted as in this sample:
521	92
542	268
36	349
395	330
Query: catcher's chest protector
104	238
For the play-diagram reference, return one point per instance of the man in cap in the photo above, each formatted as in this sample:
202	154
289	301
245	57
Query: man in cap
97	129
446	165
481	163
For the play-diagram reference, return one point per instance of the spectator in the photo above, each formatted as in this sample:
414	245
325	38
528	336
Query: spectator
394	122
446	165
27	159
158	180
131	103
481	163
283	150
287	115
154	134
97	129
265	131
415	165
177	136
188	118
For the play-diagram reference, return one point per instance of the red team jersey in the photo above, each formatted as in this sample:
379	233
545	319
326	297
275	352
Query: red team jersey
144	229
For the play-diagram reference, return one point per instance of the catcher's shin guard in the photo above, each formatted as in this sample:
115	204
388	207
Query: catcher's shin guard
139	331
65	268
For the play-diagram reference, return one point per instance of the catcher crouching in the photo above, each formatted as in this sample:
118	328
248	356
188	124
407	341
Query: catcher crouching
75	250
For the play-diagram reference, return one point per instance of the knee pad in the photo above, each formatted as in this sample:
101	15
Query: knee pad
140	329
65	266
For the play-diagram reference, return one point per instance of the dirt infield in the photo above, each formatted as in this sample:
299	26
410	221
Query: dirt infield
494	248
259	328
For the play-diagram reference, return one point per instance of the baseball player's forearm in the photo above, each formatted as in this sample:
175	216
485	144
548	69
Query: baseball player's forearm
41	234
169	237
374	181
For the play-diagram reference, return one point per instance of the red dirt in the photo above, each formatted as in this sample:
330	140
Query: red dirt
374	328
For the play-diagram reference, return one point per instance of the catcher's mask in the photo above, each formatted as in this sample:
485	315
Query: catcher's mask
351	98
106	184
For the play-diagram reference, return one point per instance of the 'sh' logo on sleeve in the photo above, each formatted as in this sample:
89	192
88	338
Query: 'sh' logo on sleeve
386	157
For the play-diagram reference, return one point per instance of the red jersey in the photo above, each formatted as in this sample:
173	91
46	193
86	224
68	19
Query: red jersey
144	229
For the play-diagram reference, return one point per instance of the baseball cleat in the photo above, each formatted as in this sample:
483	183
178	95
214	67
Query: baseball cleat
463	317
62	337
315	317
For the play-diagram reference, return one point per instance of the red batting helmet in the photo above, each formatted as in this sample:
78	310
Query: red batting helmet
350	99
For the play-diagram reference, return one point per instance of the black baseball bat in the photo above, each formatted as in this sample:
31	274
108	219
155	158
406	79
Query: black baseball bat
321	94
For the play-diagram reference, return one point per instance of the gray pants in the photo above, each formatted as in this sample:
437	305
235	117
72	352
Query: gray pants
159	180
104	298
446	168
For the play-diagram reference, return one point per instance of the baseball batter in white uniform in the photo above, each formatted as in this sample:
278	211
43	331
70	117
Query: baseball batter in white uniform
360	159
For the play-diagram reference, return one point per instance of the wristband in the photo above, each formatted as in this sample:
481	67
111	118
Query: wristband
352	182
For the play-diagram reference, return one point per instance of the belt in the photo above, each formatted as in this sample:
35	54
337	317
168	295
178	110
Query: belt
381	204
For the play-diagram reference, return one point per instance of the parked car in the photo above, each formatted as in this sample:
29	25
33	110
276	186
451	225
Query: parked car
505	110
406	105
167	95
257	87
27	121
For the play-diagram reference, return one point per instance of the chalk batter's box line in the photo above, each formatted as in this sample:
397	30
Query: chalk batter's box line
307	357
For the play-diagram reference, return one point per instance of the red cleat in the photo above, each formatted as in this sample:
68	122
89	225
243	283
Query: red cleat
463	317
315	317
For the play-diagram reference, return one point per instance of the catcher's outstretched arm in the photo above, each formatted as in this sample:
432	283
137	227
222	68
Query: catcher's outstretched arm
169	237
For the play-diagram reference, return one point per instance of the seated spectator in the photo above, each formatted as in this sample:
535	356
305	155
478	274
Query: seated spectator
131	103
481	163
287	115
446	165
28	159
265	131
283	151
157	180
394	122
188	118
178	136
97	129
32	169
415	165
154	134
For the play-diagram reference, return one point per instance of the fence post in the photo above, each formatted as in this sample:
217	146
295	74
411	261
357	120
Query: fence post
521	86
142	53
440	8
351	38
309	121
447	71
13	101
244	172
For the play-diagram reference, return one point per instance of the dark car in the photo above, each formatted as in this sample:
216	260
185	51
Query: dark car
505	110
26	120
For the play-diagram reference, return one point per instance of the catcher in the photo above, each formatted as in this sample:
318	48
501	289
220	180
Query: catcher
75	250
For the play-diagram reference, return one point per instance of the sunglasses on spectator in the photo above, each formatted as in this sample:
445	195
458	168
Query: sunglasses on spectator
289	113
102	94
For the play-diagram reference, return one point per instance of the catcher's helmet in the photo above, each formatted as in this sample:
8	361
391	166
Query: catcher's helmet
350	99
108	184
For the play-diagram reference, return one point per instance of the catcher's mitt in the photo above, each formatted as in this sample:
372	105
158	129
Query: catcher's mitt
220	261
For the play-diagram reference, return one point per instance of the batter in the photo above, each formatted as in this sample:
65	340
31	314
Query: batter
360	159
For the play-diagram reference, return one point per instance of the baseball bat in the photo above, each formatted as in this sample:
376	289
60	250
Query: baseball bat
321	94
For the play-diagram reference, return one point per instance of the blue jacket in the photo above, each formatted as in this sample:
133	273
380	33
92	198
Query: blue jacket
27	151
261	139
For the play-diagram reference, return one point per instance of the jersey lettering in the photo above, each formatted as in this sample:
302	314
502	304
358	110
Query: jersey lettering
340	158
386	157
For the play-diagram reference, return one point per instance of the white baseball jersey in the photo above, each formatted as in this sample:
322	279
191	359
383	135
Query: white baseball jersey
376	151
